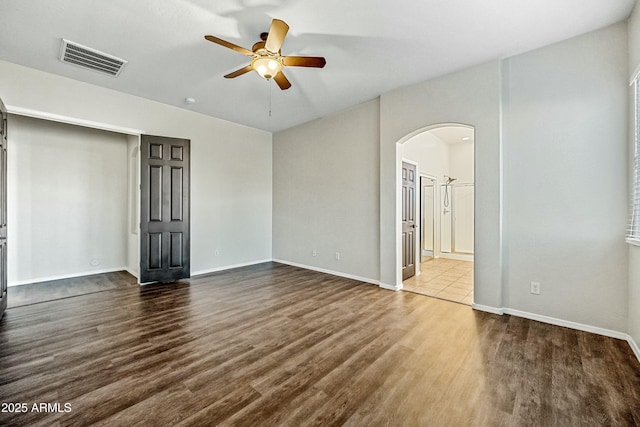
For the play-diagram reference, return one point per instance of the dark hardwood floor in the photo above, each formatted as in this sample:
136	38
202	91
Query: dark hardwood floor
34	293
274	345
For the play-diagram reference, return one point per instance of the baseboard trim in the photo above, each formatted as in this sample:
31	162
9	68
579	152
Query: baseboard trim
324	270
456	256
564	323
391	287
634	346
554	321
488	309
66	276
567	324
133	273
228	267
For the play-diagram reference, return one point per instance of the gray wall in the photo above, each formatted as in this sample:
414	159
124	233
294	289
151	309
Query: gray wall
325	197
230	164
634	251
565	179
551	146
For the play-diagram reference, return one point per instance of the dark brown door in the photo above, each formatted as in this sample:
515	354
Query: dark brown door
408	220
3	209
164	209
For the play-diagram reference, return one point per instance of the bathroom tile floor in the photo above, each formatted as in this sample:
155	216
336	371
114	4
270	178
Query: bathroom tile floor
443	278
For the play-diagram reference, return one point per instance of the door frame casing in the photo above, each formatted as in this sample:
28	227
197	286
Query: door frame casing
3	209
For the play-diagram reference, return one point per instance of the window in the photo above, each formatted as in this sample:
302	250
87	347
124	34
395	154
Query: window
633	228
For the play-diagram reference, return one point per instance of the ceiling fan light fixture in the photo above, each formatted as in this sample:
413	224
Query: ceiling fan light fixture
267	67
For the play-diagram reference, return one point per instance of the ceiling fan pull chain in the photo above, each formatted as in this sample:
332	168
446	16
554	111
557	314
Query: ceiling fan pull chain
270	84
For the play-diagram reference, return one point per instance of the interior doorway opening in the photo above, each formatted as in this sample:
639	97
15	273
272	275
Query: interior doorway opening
444	160
73	209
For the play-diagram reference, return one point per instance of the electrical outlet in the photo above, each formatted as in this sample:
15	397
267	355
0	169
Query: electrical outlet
314	253
216	253
337	255
535	288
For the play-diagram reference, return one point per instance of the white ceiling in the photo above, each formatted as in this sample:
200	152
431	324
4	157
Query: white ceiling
454	134
371	46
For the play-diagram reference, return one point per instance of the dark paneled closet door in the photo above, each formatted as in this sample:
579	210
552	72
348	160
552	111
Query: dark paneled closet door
3	209
164	212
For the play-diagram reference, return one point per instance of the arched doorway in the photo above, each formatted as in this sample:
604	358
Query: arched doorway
437	211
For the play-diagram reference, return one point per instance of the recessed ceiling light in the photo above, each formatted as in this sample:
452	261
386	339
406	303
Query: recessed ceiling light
189	101
465	138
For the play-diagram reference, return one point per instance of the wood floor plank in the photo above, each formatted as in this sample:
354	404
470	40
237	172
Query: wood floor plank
275	345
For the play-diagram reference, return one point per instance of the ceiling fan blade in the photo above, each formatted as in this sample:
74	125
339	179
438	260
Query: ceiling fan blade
304	61
229	45
282	81
239	72
276	36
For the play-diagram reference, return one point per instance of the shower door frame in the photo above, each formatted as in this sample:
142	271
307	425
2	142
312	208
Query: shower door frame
434	214
453	218
454	253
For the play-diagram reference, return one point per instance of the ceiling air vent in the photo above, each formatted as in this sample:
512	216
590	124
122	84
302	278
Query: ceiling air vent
84	56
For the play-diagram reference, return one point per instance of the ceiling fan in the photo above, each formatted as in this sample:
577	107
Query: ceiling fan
267	60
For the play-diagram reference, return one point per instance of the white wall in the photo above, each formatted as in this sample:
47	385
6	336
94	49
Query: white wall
67	200
565	179
461	162
230	164
437	158
634	251
431	154
325	178
463	210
